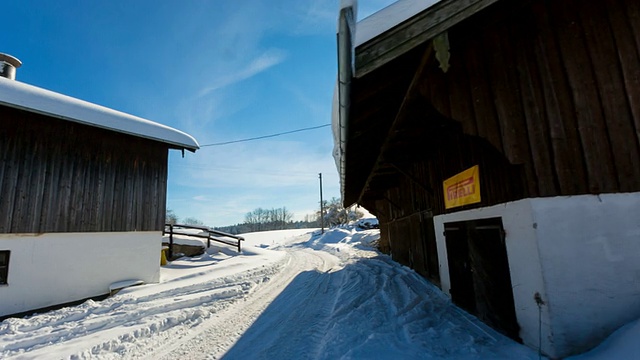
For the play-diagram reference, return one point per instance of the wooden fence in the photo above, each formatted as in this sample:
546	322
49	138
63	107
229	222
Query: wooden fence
211	235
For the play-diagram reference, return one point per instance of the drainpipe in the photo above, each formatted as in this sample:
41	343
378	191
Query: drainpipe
346	32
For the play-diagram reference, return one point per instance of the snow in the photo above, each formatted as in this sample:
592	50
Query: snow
622	344
27	97
389	17
290	294
124	284
186	239
367	223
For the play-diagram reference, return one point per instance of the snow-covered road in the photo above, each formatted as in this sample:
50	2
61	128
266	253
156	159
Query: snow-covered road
323	306
217	334
288	296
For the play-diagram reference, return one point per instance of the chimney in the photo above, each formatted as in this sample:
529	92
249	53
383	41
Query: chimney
8	66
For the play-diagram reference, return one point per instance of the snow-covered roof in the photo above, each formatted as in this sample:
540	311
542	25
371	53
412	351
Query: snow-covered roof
22	96
389	17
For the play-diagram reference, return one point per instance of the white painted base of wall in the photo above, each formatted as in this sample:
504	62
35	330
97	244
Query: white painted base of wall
581	253
56	268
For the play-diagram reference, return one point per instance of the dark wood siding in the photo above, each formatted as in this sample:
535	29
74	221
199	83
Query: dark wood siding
60	176
407	206
553	85
543	95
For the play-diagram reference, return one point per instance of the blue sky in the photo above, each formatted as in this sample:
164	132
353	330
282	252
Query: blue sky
219	70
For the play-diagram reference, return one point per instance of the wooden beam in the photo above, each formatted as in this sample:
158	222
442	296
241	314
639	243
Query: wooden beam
413	179
414	32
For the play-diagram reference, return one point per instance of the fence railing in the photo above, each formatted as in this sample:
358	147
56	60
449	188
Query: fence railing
212	235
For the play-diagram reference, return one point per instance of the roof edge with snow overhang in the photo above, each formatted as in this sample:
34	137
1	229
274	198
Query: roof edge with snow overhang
404	25
389	17
22	96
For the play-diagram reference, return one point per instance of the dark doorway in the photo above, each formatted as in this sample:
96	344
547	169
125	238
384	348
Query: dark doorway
460	273
429	247
479	273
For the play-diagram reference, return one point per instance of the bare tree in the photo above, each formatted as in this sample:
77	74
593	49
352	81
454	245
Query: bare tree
286	218
263	215
263	219
251	219
171	217
279	218
193	221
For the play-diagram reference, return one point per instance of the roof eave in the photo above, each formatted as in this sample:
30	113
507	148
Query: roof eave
412	32
37	100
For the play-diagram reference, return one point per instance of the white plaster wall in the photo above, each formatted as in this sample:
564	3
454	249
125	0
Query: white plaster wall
590	251
524	265
581	253
55	268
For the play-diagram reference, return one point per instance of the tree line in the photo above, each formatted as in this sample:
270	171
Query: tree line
268	219
261	219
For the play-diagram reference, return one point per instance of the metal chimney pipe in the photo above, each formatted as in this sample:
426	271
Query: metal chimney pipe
8	66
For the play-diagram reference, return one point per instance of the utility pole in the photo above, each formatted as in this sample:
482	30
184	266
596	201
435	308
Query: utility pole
321	206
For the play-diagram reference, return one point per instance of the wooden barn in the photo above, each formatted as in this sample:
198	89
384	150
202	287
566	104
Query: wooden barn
498	143
82	196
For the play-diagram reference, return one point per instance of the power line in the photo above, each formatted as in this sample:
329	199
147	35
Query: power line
245	170
266	136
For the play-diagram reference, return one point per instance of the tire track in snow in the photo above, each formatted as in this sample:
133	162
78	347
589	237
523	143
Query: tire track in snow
133	323
221	331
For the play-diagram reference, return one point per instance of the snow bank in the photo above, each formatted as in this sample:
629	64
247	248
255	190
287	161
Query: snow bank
367	223
185	240
138	319
622	344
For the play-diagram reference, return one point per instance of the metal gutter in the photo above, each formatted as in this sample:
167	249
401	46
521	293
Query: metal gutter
346	32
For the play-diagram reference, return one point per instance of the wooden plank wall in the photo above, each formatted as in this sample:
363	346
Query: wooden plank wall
547	95
407	209
59	176
555	87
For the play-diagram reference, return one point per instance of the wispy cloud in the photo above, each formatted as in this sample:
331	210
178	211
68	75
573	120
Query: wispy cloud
277	164
264	61
319	15
220	185
223	98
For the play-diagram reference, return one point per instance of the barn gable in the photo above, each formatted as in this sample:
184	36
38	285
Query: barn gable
82	196
541	97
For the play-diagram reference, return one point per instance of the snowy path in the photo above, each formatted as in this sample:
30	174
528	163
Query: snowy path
331	304
140	319
220	332
310	297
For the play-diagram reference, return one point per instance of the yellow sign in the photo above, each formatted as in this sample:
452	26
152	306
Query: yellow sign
462	189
